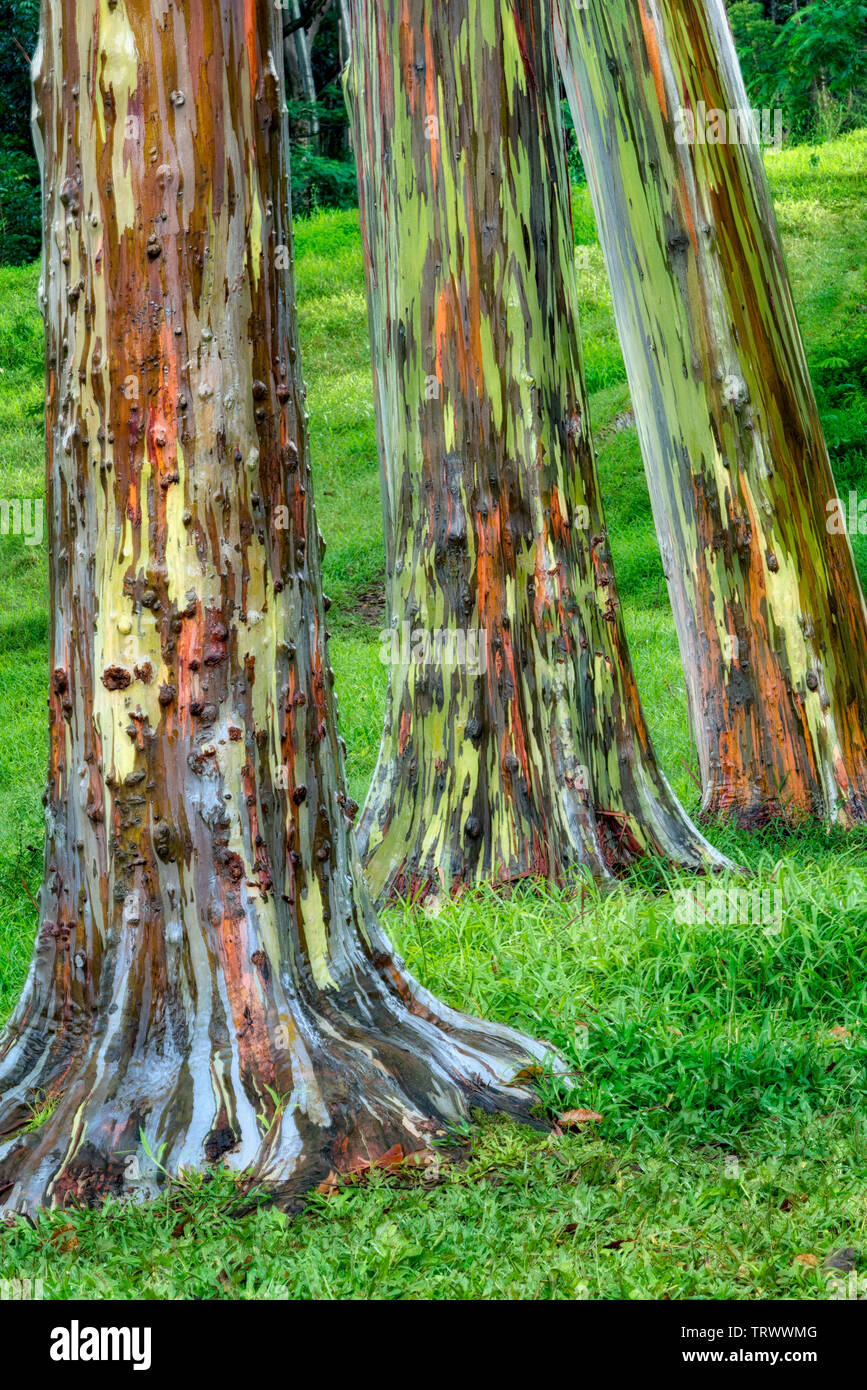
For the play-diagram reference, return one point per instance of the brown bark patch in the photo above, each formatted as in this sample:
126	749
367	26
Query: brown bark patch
116	678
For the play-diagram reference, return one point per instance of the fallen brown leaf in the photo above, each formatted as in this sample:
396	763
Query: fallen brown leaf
570	1119
788	1203
71	1242
811	1261
329	1185
531	1073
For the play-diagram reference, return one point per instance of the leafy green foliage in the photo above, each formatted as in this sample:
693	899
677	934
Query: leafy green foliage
322	176
827	42
755	36
318	182
20	207
20	217
814	64
19	25
574	162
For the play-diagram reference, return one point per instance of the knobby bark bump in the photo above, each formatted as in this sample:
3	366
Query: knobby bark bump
514	740
209	980
768	607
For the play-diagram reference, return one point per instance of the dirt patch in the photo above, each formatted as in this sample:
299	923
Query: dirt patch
366	606
625	421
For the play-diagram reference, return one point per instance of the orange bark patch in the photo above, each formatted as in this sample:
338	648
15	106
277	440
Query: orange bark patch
430	102
559	528
407	55
653	56
244	981
405	723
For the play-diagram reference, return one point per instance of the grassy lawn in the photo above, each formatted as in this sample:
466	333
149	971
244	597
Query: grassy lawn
727	1062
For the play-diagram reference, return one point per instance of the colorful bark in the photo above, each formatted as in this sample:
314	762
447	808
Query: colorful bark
540	763
209	981
769	611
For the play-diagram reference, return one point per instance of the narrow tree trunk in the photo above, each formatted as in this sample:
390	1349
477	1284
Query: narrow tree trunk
298	69
344	39
209	981
530	755
344	33
768	607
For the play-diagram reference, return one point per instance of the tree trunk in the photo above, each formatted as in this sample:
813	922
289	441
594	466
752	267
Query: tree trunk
519	747
209	981
298	69
344	41
768	607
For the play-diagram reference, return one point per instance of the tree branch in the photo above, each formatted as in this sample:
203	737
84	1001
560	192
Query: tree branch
27	57
305	18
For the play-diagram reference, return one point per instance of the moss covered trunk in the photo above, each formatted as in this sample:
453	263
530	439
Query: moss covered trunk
514	741
209	981
769	611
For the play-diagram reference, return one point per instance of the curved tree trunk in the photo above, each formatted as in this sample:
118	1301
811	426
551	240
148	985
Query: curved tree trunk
522	748
209	981
768	607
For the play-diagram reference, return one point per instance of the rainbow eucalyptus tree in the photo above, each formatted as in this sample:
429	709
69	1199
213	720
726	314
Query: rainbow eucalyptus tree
768	607
209	982
514	741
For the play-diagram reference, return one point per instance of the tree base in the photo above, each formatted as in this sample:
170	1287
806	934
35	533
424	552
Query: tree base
592	843
749	811
374	1077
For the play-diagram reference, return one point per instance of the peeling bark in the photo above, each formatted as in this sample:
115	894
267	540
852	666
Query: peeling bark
540	763
209	981
768	607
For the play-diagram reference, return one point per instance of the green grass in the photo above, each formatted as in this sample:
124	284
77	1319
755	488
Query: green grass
727	1062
